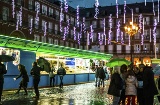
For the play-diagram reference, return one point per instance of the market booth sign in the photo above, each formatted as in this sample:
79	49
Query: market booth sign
34	46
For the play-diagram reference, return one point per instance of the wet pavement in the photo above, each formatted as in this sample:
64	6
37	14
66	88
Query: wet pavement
80	94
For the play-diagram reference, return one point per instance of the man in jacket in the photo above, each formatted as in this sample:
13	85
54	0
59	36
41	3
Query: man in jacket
35	72
2	72
61	72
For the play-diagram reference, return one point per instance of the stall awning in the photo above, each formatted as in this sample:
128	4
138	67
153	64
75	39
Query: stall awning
28	45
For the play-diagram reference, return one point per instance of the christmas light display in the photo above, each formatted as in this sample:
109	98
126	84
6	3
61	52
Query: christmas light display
153	8
13	8
150	32
79	38
122	40
74	32
140	23
65	6
78	16
104	30
65	32
110	29
91	33
31	25
117	8
124	18
20	16
17	23
142	34
158	10
100	39
84	26
96	9
45	28
38	10
154	31
88	39
118	29
61	17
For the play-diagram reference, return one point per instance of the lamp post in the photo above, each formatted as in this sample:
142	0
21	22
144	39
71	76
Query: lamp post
131	30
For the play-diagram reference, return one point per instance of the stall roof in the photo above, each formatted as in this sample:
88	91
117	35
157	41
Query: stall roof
34	46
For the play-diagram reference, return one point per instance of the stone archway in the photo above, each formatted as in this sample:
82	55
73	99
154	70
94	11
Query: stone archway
18	34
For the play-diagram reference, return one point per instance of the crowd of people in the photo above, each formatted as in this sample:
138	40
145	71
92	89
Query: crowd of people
131	85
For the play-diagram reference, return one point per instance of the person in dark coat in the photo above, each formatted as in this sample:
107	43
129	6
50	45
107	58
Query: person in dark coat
149	86
101	76
96	75
52	76
35	72
2	72
115	86
25	79
61	72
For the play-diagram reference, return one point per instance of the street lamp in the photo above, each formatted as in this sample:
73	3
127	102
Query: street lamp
131	30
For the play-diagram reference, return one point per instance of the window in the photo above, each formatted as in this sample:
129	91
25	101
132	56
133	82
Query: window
67	44
72	20
56	28
37	6
36	24
128	49
72	34
76	45
119	48
50	41
50	27
146	34
19	2
87	23
137	36
137	48
61	42
110	48
43	39
146	47
36	37
5	13
67	17
146	20
101	23
94	24
157	33
43	25
30	19
95	36
50	12
72	45
44	9
57	15
56	42
137	10
30	4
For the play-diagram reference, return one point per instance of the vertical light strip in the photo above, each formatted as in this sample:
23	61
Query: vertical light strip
13	8
37	9
96	9
142	34
153	8
104	29
154	31
110	29
31	25
122	40
140	23
150	31
117	7
78	16
118	29
158	10
45	28
20	16
65	6
74	32
61	16
91	34
124	11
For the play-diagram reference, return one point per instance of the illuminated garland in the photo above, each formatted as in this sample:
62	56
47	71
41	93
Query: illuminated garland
142	35
118	29
122	40
79	38
31	26
124	11
65	32
65	6
74	32
153	8
100	39
96	9
78	16
20	16
158	10
110	30
150	35
84	26
13	8
140	23
45	28
61	17
88	39
38	10
117	8
91	34
154	31
17	24
104	29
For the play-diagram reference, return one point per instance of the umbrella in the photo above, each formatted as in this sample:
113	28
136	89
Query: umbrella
6	58
118	62
43	63
156	70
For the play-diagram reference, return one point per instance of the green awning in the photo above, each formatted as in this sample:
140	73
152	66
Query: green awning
23	44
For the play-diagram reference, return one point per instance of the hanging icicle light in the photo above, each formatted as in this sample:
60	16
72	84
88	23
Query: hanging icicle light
122	40
78	16
13	8
31	25
45	28
88	38
79	38
117	8
154	31
20	16
84	26
153	8
140	23
96	9
65	6
150	32
91	34
38	10
104	30
124	18
142	34
100	39
74	32
65	32
118	29
61	16
158	10
17	24
110	29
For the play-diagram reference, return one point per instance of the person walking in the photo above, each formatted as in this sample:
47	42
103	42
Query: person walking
123	74
96	75
35	72
101	76
25	79
131	88
2	72
115	86
52	76
61	72
149	86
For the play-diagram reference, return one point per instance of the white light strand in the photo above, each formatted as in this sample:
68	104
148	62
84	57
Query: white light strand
100	39
38	10
74	32
110	29
158	10
68	24
124	11
118	29
132	15
91	34
84	26
104	29
130	41
65	32
150	31
79	38
154	31
88	38
61	17
117	8
31	25
45	28
20	16
142	35
96	9
78	16
153	8
122	40
65	6
140	23
13	8
17	25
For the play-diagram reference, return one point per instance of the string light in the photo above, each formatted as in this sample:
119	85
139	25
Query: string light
84	26
140	23
132	15
153	8
20	16
45	28
129	41
150	35
142	35
65	32
78	16
96	9
104	29
117	7
118	29
31	25
13	8
122	40
91	34
79	38
38	10
110	30
61	17
124	11
154	31
65	6
100	39
17	25
88	40
74	32
158	10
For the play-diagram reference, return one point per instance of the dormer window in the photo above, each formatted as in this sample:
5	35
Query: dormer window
44	9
